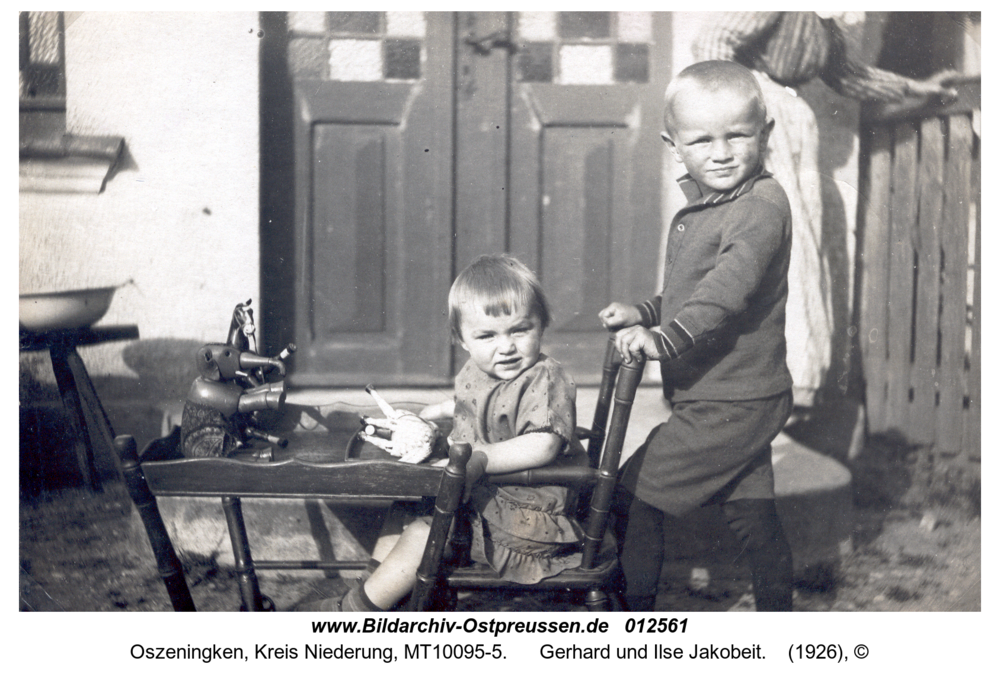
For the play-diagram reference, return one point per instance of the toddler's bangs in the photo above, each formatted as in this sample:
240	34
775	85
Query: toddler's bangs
507	303
498	298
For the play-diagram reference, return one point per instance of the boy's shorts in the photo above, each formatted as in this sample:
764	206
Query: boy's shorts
708	452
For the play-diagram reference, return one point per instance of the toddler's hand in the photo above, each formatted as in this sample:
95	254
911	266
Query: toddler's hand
636	342
440	410
619	315
411	438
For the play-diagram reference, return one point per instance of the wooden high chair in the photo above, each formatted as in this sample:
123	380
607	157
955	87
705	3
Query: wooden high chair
598	572
384	481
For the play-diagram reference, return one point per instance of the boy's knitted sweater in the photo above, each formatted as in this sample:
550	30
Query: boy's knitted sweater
720	318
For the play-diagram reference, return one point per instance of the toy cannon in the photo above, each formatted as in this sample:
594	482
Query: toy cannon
235	385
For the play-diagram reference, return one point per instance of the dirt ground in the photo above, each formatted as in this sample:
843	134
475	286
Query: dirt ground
916	547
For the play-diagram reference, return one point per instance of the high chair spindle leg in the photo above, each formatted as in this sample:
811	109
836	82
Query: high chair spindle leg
597	600
245	573
169	566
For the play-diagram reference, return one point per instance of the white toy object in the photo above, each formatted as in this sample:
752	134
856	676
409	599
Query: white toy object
411	438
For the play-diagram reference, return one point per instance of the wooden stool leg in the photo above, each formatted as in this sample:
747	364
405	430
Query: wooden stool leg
101	434
167	562
78	422
245	573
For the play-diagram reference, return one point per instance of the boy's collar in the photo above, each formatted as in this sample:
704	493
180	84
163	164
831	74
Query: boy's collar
695	196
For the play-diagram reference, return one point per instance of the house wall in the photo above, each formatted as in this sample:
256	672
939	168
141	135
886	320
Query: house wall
181	218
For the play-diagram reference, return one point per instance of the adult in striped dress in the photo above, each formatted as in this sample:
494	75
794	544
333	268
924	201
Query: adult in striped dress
786	50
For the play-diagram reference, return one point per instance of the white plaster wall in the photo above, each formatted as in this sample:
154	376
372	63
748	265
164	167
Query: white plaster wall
182	223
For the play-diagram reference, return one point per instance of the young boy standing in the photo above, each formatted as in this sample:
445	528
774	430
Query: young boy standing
717	329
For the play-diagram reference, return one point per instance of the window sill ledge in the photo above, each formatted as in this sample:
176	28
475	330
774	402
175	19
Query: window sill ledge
68	164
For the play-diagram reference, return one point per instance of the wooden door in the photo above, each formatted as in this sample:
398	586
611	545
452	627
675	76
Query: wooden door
533	133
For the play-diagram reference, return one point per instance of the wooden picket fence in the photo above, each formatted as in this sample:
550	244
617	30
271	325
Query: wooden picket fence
919	263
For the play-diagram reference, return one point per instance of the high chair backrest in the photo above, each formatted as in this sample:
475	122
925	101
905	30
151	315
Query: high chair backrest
629	374
619	384
598	427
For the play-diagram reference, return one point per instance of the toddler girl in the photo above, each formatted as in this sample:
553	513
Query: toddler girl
517	408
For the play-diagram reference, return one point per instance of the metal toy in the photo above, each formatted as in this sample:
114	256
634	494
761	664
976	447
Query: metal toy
221	414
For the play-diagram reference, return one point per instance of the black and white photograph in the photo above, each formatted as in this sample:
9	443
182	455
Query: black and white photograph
652	312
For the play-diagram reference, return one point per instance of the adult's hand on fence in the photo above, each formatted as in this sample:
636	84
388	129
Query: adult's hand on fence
938	85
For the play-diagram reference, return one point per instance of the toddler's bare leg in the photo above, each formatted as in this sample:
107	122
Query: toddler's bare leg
398	572
395	521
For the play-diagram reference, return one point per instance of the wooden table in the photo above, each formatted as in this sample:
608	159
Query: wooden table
88	420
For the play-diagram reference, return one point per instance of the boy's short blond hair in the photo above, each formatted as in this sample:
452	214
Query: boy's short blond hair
499	284
713	76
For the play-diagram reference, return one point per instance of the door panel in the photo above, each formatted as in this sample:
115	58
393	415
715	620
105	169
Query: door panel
482	118
373	213
578	165
347	258
584	147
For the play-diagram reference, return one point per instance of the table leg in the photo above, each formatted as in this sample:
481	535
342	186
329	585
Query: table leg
78	423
